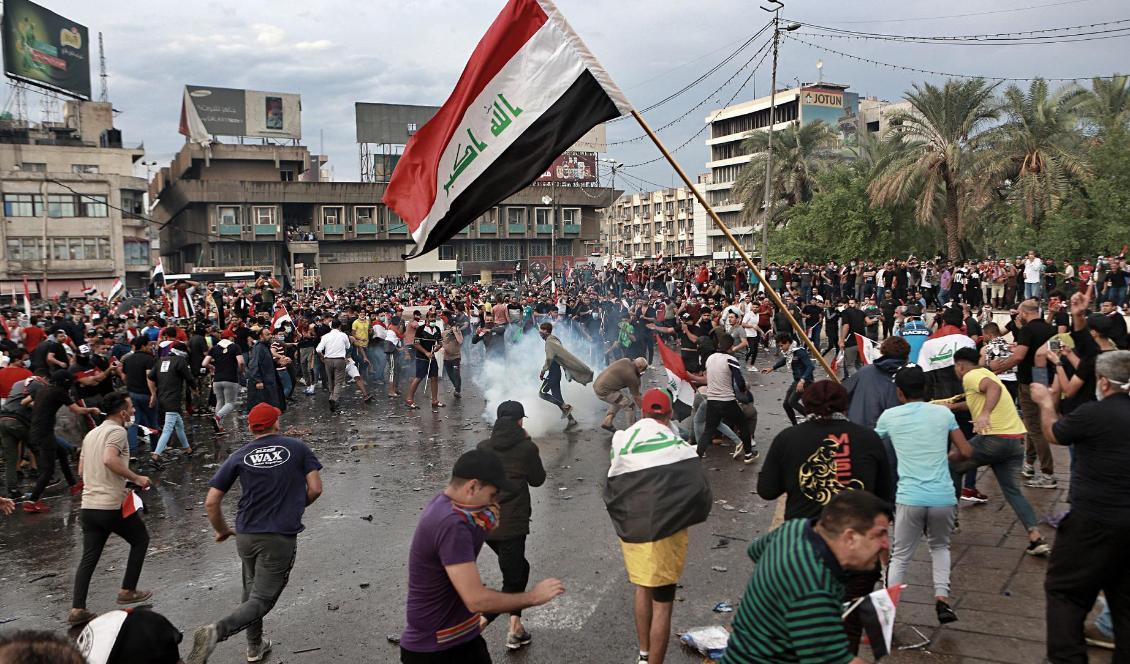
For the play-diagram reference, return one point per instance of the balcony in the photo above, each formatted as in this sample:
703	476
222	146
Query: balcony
400	228
370	229
230	229
516	228
488	228
266	229
333	229
572	228
544	228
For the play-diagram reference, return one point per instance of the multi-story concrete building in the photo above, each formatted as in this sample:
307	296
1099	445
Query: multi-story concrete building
729	127
655	223
247	206
73	210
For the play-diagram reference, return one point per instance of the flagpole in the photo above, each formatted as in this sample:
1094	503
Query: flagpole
730	236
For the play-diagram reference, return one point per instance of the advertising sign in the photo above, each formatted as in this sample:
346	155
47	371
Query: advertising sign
45	49
821	97
571	167
231	112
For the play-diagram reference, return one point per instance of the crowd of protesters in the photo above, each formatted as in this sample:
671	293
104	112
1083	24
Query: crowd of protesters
1034	355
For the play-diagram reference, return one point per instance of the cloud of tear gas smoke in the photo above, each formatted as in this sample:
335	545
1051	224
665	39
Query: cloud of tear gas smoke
515	378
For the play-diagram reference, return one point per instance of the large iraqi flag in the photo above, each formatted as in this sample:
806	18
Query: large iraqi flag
530	90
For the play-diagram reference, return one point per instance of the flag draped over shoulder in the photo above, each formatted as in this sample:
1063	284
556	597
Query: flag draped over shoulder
530	90
656	485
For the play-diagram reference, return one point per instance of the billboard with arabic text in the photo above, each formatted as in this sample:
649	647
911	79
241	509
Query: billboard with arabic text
45	49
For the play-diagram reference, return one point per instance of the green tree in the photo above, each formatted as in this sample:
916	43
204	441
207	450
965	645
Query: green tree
799	153
1107	104
1037	153
938	168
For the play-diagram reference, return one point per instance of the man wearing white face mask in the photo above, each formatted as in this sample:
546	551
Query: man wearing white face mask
1091	540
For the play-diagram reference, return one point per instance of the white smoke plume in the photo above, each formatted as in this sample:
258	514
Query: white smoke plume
515	378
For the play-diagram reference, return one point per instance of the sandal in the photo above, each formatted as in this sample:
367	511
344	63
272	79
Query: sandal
411	405
438	404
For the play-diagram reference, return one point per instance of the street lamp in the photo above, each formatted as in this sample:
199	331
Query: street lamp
548	200
772	121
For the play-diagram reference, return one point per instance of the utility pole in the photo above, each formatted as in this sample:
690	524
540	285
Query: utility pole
776	11
104	92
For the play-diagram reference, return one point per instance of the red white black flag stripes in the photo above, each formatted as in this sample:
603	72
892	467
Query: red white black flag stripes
530	90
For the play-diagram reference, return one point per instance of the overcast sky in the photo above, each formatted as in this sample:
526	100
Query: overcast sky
337	52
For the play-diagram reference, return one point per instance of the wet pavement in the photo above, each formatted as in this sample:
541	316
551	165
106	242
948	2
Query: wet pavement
383	463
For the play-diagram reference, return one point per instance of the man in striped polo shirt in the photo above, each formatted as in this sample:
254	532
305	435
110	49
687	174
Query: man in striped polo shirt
791	611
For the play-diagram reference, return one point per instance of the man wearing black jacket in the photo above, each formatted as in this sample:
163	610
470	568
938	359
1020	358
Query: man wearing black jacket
523	467
168	380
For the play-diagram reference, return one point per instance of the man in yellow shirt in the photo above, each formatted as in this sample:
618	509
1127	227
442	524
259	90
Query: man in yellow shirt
360	339
999	439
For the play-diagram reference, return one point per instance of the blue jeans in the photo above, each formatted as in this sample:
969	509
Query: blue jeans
286	383
1032	290
378	362
1116	294
173	422
144	415
1005	456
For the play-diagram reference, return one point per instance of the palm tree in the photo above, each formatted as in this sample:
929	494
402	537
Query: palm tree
1038	150
799	152
870	152
936	169
1107	104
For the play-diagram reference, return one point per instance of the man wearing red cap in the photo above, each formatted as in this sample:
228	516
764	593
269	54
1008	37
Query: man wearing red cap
280	478
656	490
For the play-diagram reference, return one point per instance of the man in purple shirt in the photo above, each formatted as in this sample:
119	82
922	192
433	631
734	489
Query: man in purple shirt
446	596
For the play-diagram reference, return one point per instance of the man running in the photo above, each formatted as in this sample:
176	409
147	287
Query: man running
426	340
446	596
280	478
41	436
556	359
104	467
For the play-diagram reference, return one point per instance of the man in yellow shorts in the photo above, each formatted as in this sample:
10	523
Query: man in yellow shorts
656	489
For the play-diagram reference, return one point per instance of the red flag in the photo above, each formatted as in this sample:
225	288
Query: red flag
131	504
281	316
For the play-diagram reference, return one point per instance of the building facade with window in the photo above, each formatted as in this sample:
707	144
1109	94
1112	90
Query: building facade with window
730	126
652	224
250	206
74	213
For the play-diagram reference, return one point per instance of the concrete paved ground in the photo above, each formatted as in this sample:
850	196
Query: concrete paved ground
346	594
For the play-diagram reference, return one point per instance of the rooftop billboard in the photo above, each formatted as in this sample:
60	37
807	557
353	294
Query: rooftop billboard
233	112
45	49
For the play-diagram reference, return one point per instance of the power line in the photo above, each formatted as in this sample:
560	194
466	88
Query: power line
705	99
707	125
930	71
1033	41
990	35
968	14
133	215
1099	30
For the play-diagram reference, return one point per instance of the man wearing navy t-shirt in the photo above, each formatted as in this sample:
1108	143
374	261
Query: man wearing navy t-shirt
446	596
279	477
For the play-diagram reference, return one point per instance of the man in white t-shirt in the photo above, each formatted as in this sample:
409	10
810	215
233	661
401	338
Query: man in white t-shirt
1033	276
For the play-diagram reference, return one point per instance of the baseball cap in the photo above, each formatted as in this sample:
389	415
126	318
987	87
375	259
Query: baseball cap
511	409
262	417
656	402
483	466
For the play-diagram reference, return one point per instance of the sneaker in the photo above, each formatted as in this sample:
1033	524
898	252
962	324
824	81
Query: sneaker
257	653
204	641
973	496
750	458
1042	481
737	451
36	507
1027	470
1038	548
945	613
514	641
1095	637
217	424
80	616
310	390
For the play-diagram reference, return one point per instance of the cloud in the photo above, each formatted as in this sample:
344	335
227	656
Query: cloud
268	35
319	45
